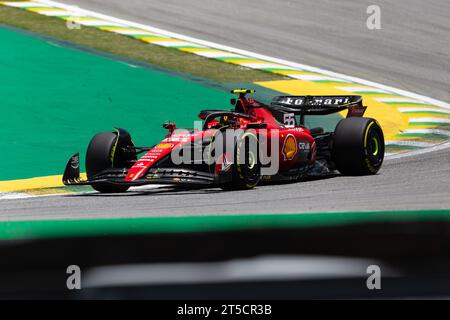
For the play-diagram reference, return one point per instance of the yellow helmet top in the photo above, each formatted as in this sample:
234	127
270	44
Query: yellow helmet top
242	90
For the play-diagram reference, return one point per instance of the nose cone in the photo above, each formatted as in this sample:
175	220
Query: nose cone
146	161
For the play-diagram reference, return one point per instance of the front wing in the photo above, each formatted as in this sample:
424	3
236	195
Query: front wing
170	176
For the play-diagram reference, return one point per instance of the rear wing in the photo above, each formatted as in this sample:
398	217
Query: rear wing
318	105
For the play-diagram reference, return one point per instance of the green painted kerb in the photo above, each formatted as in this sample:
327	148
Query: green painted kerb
134	226
55	98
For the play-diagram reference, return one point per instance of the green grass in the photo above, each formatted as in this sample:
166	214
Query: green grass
55	98
132	48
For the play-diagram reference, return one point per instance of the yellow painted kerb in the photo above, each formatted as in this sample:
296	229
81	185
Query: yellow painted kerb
32	183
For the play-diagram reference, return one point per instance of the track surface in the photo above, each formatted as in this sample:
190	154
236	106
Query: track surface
409	183
410	52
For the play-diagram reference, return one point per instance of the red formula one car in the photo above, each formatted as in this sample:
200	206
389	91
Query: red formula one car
237	149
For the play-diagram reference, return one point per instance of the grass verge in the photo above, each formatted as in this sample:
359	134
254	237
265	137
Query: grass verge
124	46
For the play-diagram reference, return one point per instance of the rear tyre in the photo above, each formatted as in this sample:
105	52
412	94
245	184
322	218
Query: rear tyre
358	146
246	167
101	155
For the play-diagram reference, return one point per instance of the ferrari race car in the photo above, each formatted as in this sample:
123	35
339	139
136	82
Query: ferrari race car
239	148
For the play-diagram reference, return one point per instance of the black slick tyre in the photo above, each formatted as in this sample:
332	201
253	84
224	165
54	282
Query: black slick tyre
358	146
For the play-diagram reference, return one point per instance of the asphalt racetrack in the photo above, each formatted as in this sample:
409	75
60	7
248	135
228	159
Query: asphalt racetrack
416	182
410	52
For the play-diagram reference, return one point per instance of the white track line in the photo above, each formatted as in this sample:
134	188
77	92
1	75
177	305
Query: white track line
315	77
357	89
429	119
437	147
175	44
419	144
22	195
219	54
427	131
52	13
133	32
258	65
424	110
25	4
14	195
399	100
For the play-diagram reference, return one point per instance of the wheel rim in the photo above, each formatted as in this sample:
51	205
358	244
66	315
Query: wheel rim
249	169
251	160
375	149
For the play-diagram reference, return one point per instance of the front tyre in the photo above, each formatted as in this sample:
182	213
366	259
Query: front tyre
246	168
101	155
358	146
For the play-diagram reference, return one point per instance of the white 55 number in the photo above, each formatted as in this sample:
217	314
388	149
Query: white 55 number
289	119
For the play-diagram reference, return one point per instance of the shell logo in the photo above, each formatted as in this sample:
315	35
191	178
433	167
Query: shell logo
289	147
164	145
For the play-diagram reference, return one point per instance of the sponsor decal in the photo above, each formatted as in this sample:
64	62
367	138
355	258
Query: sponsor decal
303	145
289	147
156	151
329	101
164	145
178	139
293	101
149	157
316	101
75	162
356	111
